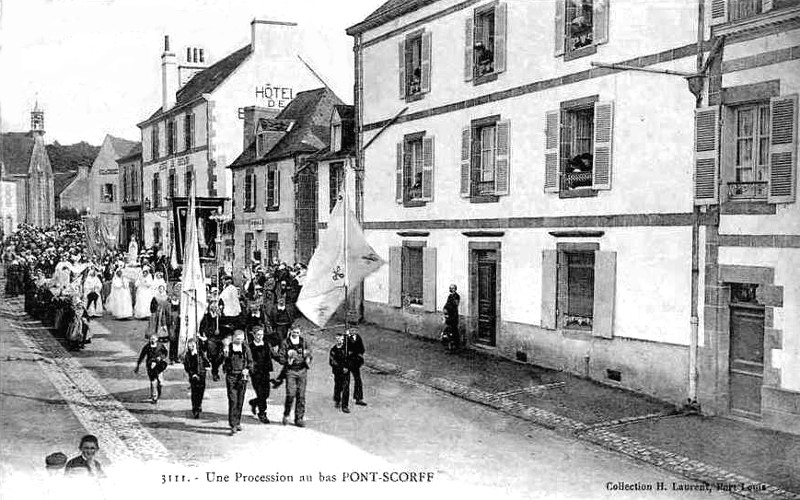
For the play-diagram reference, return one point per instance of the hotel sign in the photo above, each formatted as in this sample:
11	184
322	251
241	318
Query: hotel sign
274	96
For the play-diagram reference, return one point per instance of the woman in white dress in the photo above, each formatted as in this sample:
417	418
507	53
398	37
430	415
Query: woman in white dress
92	287
144	295
119	302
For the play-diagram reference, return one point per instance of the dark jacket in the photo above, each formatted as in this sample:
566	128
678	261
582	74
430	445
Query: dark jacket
355	350
300	360
152	354
262	358
451	309
338	359
208	326
195	364
235	362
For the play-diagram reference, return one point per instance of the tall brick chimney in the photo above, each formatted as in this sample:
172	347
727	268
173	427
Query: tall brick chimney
169	76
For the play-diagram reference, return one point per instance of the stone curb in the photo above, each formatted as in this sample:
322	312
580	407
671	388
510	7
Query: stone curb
597	434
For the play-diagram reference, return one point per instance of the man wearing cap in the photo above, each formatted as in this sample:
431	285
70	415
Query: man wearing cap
295	355
262	366
341	374
237	365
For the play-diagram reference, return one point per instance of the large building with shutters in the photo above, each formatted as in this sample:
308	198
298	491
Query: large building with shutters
191	139
549	173
105	196
746	162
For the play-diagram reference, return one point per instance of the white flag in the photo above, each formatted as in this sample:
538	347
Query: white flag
193	283
324	288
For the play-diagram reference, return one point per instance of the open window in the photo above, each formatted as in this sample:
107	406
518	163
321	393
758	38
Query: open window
156	190
415	164
171	136
485	152
414	55
485	52
580	26
249	189
732	10
188	131
578	147
107	193
758	147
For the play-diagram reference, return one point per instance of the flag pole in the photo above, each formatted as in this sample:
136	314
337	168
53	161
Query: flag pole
344	237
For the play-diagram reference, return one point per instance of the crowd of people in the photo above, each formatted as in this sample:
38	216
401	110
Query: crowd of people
243	331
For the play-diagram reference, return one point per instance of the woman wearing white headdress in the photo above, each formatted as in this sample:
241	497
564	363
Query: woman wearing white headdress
119	300
144	295
92	287
158	281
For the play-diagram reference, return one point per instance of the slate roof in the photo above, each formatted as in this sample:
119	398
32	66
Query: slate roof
310	113
387	12
207	80
123	147
133	153
62	179
15	152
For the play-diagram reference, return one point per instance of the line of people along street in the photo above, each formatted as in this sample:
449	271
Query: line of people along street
244	332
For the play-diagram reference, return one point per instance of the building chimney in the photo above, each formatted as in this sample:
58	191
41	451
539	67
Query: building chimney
251	115
83	170
169	77
273	38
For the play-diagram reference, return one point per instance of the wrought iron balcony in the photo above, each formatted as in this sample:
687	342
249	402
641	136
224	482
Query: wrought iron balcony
747	190
574	180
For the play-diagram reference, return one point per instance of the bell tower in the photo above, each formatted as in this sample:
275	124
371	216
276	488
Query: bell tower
37	119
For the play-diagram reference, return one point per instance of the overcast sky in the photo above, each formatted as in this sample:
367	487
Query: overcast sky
96	64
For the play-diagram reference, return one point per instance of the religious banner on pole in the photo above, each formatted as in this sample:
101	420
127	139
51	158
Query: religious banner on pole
330	272
193	284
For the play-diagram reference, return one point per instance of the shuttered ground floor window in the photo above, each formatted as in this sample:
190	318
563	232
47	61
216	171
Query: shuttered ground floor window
412	274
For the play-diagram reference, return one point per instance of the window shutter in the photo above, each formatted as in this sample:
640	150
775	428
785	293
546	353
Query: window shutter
500	31
468	50
401	67
551	151
719	11
706	130
466	152
425	83
277	187
113	192
429	279
428	160
600	27
255	190
399	174
783	150
503	158
395	276
549	280
766	5
605	278
603	140
560	29
270	199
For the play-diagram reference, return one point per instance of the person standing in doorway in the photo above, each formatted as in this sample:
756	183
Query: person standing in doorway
452	337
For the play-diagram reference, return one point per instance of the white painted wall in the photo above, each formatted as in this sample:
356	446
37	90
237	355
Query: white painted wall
656	308
531	35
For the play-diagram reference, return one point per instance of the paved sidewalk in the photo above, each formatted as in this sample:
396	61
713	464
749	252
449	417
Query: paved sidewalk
737	457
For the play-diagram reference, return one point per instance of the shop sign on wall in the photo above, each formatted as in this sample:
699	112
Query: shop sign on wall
272	96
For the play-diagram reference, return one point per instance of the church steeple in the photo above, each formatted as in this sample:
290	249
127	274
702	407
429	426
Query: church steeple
37	119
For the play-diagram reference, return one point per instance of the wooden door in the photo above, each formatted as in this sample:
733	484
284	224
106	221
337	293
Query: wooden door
746	358
487	297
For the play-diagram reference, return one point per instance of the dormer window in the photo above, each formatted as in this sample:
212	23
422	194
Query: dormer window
261	143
